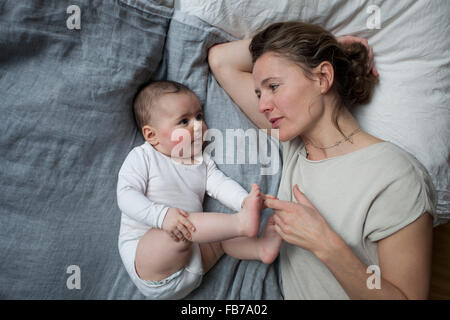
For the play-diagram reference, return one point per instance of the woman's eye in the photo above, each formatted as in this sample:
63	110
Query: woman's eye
273	86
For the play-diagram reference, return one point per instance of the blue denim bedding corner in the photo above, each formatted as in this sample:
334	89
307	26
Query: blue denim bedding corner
66	127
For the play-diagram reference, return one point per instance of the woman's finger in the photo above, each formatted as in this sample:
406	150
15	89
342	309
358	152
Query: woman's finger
375	72
277	204
370	61
283	222
280	232
268	196
277	219
300	197
283	216
364	42
285	236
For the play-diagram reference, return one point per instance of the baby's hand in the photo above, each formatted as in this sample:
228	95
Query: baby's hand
177	225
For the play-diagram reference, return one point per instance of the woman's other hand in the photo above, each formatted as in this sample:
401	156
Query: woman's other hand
370	62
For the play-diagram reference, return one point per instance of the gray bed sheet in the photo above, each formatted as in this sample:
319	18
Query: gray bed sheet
66	127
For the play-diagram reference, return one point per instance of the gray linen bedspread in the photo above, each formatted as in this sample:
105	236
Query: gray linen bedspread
66	127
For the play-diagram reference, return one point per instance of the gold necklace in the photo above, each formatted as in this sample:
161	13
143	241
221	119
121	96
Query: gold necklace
334	145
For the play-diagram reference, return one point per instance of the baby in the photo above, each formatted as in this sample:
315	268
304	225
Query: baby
166	242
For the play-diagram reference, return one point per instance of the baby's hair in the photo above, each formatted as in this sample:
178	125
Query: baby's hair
148	95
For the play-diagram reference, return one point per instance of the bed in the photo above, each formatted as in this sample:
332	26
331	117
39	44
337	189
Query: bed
67	124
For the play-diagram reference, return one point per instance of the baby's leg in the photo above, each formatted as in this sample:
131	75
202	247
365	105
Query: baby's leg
264	248
211	253
211	226
158	255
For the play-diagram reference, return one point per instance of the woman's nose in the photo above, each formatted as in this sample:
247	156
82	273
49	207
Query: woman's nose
265	104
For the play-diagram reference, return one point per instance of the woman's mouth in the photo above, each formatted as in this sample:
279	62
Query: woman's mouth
275	122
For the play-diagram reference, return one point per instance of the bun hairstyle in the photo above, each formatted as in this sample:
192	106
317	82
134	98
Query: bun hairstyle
309	45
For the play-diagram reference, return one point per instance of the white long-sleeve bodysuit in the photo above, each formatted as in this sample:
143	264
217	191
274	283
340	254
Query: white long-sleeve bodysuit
149	183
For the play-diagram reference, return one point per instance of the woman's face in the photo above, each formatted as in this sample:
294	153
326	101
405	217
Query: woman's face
287	98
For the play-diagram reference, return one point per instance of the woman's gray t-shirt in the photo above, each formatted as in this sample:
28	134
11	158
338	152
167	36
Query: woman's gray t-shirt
365	196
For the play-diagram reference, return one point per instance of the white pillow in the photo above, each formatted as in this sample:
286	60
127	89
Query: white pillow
411	43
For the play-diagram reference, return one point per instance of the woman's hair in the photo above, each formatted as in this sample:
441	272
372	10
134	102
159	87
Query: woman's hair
147	98
309	45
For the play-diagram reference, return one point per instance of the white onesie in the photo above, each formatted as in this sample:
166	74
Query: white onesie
149	183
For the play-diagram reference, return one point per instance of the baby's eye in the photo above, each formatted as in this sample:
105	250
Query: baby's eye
199	116
183	122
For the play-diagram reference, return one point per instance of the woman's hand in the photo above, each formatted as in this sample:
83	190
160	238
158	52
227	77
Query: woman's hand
265	197
301	224
370	61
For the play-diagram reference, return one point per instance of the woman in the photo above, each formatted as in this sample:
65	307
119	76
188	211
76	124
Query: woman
349	203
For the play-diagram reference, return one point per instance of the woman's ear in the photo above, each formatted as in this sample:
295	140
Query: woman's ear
325	73
149	134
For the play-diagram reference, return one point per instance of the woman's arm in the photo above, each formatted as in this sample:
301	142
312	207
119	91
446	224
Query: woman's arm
404	257
232	65
405	264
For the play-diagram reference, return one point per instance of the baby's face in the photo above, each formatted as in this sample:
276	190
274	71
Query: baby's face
179	125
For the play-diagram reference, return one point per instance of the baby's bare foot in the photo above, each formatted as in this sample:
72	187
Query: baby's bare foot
269	243
250	213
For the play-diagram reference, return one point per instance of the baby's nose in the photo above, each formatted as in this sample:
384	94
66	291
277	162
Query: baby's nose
198	128
198	125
